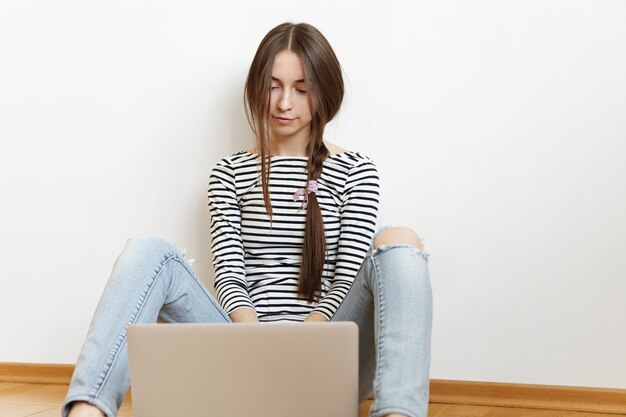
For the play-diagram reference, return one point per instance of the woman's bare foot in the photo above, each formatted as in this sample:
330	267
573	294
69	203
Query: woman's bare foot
84	409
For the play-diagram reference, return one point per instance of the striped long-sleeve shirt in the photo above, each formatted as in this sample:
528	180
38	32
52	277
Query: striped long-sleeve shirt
258	267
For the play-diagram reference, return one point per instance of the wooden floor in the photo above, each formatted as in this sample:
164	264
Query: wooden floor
45	400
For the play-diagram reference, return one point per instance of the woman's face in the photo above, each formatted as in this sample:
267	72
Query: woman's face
290	115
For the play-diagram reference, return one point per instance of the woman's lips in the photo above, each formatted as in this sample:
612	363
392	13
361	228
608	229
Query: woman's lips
283	120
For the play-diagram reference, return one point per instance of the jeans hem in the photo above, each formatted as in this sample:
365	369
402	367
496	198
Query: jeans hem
380	412
91	400
368	397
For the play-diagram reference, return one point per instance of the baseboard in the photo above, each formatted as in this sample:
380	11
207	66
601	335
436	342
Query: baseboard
36	373
550	397
493	394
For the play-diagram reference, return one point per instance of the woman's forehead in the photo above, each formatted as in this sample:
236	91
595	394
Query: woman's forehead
287	68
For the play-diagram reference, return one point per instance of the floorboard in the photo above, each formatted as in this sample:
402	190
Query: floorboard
45	400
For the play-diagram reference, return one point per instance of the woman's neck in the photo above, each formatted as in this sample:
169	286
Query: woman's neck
295	151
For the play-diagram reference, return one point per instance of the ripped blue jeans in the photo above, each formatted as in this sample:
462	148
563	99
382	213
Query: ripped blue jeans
390	300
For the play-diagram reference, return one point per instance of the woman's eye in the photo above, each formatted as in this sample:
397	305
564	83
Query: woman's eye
301	91
273	88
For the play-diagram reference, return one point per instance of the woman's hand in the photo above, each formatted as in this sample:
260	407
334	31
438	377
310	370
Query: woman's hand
313	316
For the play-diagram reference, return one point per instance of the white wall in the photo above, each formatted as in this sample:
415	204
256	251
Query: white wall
498	128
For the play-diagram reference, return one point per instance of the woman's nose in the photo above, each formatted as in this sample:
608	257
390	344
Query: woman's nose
284	103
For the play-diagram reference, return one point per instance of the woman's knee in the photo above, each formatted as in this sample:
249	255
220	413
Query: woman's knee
147	246
150	243
398	235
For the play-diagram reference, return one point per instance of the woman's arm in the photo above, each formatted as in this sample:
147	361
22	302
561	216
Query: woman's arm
230	285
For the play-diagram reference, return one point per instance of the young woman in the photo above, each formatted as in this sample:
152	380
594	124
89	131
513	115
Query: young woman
293	222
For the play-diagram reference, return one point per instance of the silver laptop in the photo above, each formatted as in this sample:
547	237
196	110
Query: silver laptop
282	369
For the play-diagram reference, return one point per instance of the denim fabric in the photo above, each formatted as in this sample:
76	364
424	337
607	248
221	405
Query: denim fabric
391	302
152	280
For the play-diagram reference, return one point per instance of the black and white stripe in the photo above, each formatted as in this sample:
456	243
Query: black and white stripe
257	267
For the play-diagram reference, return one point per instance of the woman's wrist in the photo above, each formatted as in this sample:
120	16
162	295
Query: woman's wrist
244	315
315	316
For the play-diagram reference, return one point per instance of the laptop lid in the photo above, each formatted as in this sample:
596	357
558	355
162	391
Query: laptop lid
282	369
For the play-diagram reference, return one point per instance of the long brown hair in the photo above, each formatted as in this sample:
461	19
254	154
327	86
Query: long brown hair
322	75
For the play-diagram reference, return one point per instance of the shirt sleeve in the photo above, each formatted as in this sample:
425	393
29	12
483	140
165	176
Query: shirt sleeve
226	243
359	210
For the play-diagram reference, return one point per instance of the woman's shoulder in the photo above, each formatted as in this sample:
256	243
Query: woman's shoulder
352	157
236	158
334	149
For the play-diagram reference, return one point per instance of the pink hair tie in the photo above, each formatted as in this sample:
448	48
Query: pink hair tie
312	188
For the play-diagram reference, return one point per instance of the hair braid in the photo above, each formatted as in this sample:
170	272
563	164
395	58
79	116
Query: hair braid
314	245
